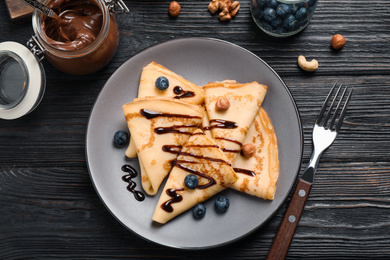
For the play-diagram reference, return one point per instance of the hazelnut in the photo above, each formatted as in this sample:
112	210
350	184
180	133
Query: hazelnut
174	8
248	150
222	104
338	41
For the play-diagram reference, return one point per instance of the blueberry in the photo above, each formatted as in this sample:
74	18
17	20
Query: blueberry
277	22
199	211
269	14
301	13
283	10
311	2
279	30
257	13
289	22
121	138
266	26
222	204
191	181
273	4
162	83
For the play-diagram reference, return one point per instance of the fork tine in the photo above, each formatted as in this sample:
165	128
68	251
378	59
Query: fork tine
337	109
323	108
341	119
331	107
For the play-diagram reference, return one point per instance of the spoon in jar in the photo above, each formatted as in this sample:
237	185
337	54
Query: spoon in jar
43	8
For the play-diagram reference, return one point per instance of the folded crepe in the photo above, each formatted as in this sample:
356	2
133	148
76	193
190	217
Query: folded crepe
229	127
179	88
202	157
258	175
159	128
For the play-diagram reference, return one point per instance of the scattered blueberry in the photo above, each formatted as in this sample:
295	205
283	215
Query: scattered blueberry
269	14
191	181
301	13
222	204
199	211
289	22
283	10
121	138
162	83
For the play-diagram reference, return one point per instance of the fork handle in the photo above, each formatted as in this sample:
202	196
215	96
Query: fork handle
290	221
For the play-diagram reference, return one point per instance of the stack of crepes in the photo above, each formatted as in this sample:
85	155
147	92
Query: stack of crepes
181	130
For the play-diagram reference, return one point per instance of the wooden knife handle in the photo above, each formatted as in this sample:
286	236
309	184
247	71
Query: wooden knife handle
290	221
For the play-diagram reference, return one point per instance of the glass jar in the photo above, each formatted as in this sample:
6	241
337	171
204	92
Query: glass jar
282	18
88	59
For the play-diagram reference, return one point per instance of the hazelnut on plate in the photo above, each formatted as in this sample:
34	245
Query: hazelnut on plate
248	150
222	104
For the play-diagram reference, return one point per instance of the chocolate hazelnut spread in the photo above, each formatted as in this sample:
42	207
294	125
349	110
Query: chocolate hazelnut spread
82	40
77	25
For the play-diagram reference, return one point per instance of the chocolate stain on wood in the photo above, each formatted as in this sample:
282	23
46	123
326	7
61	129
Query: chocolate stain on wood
19	11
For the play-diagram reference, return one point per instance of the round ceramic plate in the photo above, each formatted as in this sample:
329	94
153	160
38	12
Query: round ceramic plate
199	60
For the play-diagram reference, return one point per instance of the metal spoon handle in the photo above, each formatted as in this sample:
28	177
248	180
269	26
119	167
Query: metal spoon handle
41	7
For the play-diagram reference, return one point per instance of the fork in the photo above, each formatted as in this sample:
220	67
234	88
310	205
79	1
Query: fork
324	133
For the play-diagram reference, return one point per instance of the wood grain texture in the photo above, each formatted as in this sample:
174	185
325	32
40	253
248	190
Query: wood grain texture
49	208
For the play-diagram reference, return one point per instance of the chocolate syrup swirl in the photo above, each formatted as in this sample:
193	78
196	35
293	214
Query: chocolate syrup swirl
245	171
211	180
167	206
174	129
132	173
148	114
183	94
220	123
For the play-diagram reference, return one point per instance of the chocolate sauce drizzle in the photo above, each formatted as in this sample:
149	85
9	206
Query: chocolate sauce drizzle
174	129
167	206
148	114
183	94
226	150
220	123
245	171
132	173
181	166
171	148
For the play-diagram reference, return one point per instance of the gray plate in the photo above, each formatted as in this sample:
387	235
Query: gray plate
199	60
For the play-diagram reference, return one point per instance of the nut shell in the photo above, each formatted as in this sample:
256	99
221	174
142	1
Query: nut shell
248	150
174	8
222	104
338	41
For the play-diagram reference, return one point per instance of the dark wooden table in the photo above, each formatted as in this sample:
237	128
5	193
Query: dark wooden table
49	208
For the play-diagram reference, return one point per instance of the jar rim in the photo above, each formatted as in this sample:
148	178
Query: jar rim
37	20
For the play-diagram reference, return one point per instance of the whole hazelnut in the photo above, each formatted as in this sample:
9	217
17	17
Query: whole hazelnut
248	150
222	104
174	8
338	41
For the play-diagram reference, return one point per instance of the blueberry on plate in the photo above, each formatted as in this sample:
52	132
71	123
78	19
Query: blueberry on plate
191	181
222	204
162	83
269	14
289	22
121	138
199	211
301	13
283	10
